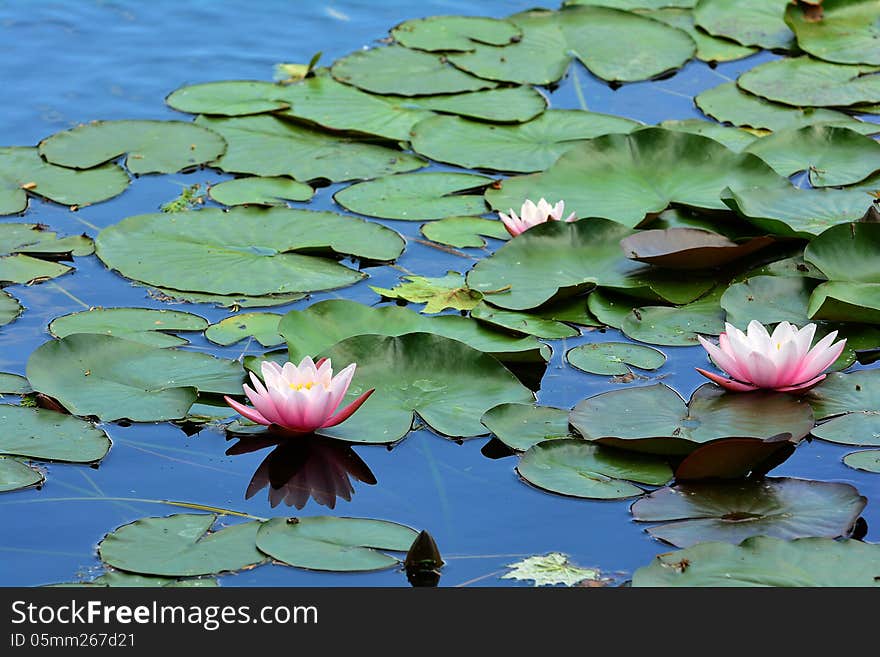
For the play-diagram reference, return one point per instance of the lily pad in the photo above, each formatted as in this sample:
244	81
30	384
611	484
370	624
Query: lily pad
735	458
525	147
627	177
808	82
732	512
24	269
10	308
449	384
748	22
614	358
139	324
37	241
541	324
847	33
437	294
416	196
736	139
551	569
709	48
454	33
675	325
842	301
855	428
688	248
151	146
312	331
15	475
633	4
181	545
114	378
271	146
23	172
867	460
335	544
519	426
255	190
729	104
49	436
846	393
847	252
767	299
263	327
118	578
13	384
655	419
581	469
250	251
832	156
611	309
401	71
462	232
766	561
233	301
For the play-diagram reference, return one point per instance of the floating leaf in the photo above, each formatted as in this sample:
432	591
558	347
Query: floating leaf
847	252
113	378
735	458
263	327
416	196
749	22
10	308
181	545
525	147
855	428
626	177
846	393
334	544
781	508
519	426
688	248
49	436
118	578
234	301
541	324
675	326
766	561
250	251
13	384
449	384
611	309
842	301
614	358
20	268
152	146
549	570
867	460
808	82
139	324
655	418
464	232
709	48
633	4
736	139
23	171
581	469
846	34
270	146
35	240
15	475
260	191
456	33
437	294
767	299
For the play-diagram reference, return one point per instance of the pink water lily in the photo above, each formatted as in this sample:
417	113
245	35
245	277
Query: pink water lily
782	361
299	398
532	215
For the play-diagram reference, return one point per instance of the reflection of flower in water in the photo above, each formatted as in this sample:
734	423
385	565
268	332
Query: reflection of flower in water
307	466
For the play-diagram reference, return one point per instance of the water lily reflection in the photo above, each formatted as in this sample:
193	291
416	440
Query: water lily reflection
308	467
531	215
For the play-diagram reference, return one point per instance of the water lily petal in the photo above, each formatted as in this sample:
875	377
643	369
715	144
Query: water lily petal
339	386
730	384
251	414
349	410
762	370
722	359
263	404
803	386
820	357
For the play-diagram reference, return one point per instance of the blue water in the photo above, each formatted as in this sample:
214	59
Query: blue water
69	62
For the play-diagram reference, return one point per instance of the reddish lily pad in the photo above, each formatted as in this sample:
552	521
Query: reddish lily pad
688	248
735	458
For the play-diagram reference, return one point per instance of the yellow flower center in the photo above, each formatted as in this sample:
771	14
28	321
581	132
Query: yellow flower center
300	386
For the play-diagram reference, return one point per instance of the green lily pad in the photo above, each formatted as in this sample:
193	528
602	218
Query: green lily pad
855	428
405	72
181	545
229	98
113	378
551	569
416	196
250	251
35	240
15	475
730	104
793	212
655	419
519	426
151	146
271	146
614	358
581	469
833	156
449	384
709	48
255	190
335	544
263	327
611	309
312	331
24	269
462	232
847	33
49	436
23	172
846	393
748	22
234	301
847	252
808	82
633	4
867	460
539	324
767	299
766	561
454	33
10	308
13	384
437	294
734	511
502	105
675	325
842	301
626	177
525	147
118	578
139	324
736	139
